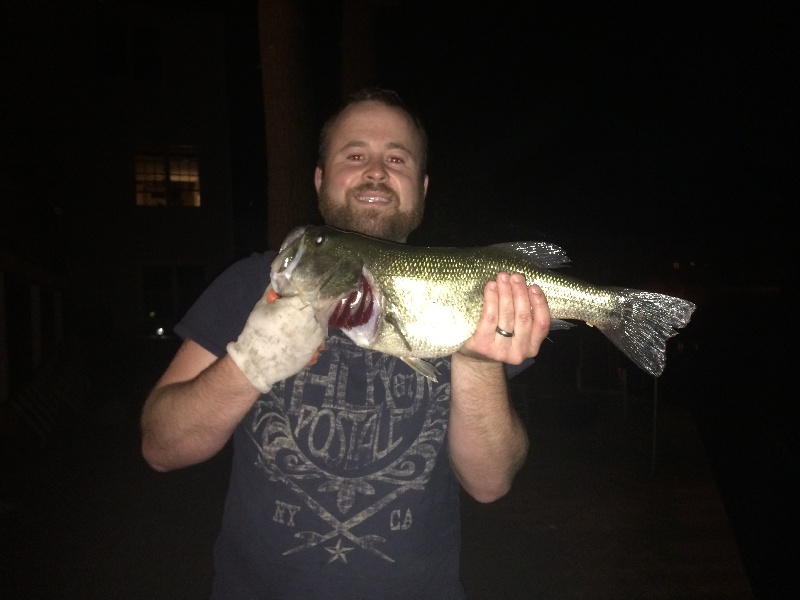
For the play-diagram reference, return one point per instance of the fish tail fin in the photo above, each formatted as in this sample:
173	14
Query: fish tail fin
643	324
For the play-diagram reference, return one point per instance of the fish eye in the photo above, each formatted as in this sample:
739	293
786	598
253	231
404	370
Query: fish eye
321	239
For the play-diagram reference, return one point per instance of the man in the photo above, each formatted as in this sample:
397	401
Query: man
346	472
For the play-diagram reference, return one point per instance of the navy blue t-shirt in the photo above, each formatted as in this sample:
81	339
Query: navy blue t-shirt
341	485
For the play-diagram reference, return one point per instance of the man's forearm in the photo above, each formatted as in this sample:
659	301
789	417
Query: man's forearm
487	440
187	422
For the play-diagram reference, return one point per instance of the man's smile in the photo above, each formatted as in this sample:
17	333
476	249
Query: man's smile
373	194
373	199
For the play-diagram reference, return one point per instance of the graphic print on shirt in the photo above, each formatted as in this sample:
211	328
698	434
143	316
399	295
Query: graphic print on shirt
350	446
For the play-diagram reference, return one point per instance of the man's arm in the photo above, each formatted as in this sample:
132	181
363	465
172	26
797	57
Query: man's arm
194	408
486	438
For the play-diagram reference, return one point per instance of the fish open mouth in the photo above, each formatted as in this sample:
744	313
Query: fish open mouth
355	309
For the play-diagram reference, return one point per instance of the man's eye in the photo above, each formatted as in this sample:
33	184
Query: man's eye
398	160
356	157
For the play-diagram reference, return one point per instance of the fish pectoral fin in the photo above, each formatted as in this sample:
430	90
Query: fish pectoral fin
560	324
397	325
422	367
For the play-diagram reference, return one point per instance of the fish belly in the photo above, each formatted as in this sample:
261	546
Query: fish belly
425	318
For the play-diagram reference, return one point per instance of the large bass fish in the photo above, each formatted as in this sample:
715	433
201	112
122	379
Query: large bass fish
418	302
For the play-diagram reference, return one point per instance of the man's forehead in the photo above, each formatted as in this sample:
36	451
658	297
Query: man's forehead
364	121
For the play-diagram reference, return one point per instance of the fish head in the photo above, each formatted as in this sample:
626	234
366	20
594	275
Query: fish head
319	266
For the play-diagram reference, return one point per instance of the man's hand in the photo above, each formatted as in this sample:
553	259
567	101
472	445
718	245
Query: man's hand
510	307
278	340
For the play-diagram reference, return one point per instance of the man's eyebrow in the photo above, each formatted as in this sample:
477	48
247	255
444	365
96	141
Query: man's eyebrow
363	144
399	146
354	144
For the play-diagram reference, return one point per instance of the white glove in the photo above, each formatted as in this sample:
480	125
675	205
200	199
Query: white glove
278	340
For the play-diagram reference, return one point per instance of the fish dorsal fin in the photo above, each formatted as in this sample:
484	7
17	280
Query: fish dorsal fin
543	254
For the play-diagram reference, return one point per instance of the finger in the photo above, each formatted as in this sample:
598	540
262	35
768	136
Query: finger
505	303
540	313
522	305
488	320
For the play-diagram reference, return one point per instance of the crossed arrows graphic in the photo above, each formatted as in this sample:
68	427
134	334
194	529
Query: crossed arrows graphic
366	542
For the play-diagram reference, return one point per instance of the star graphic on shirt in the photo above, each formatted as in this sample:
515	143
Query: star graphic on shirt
338	552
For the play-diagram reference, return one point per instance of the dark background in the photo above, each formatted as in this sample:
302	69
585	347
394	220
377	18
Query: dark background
671	128
655	142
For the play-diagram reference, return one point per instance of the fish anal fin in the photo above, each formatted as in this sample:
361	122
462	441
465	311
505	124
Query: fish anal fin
422	367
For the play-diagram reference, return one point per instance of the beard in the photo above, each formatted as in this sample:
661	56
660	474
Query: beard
375	221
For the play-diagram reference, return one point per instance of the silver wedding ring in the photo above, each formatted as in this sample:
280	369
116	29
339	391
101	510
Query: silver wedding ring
504	333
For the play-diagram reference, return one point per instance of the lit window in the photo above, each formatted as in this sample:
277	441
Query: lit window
167	180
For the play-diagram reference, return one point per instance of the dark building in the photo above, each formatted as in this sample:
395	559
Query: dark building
115	176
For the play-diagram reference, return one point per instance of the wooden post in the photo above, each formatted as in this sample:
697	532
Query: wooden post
291	139
37	334
4	349
291	129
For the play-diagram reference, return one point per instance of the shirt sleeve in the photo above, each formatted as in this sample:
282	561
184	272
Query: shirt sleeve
220	312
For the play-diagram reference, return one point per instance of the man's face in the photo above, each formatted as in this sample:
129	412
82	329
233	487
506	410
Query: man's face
373	181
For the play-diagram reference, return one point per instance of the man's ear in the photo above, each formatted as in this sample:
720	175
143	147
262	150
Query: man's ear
318	178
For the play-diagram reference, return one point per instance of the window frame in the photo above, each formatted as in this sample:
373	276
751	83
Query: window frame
169	179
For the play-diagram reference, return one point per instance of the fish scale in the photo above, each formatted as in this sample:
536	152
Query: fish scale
428	300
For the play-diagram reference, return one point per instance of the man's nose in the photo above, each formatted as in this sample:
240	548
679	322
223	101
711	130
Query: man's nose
375	170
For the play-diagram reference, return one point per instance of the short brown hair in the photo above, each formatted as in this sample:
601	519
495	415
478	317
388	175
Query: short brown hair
387	98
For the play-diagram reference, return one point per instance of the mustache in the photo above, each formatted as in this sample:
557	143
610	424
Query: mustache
374	187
